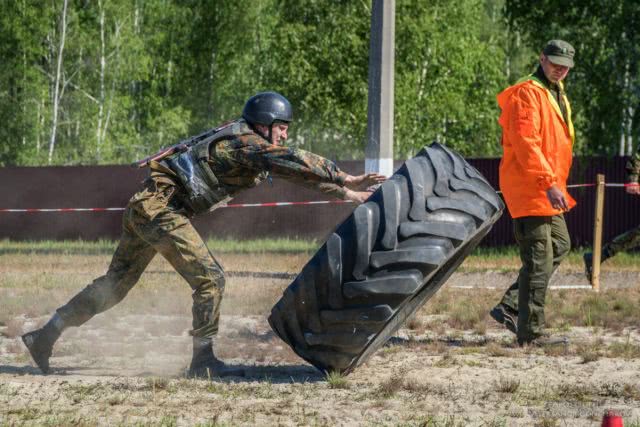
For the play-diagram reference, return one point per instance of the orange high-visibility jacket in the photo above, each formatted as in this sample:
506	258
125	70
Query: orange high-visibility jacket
537	145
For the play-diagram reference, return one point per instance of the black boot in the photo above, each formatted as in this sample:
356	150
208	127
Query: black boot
205	364
588	265
506	316
40	342
588	261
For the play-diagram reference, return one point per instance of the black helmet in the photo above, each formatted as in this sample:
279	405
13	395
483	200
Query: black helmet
265	108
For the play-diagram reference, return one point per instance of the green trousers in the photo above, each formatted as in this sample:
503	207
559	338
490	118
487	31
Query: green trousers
623	242
151	225
543	242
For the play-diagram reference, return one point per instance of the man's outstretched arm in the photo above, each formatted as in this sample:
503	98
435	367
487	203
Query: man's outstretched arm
309	170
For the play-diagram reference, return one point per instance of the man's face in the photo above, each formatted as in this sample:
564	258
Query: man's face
279	132
554	72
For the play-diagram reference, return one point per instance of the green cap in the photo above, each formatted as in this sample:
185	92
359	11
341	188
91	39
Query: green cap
559	52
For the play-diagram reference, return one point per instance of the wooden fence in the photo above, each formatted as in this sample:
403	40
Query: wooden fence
111	186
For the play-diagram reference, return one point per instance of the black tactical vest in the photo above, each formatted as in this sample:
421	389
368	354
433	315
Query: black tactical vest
203	191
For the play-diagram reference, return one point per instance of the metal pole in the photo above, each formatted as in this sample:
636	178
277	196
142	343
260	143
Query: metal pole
379	149
597	233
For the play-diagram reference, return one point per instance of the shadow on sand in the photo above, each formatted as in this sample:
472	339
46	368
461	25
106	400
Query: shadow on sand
19	370
275	374
451	341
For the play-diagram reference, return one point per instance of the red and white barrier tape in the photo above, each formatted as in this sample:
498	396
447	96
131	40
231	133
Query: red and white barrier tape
32	210
249	205
593	185
237	205
272	204
581	185
613	184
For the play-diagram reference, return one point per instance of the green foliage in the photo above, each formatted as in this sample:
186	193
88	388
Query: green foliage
23	52
447	77
321	63
139	75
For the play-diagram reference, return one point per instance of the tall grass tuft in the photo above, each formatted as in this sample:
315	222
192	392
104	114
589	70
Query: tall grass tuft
391	385
337	381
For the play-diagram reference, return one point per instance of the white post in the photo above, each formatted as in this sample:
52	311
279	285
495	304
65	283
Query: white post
379	149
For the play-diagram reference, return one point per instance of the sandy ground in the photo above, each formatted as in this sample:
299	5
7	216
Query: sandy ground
127	367
565	278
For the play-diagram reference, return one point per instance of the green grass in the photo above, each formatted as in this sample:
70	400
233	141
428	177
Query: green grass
105	247
62	267
283	245
336	380
29	271
504	258
614	309
57	247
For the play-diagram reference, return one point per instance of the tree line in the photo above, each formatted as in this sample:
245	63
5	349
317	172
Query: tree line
110	81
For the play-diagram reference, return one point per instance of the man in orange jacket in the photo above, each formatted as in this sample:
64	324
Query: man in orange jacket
537	141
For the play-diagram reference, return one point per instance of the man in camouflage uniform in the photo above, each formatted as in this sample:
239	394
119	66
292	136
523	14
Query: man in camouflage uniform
630	238
202	175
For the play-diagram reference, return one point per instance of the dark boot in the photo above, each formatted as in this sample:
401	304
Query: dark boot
205	364
588	265
40	342
605	254
505	316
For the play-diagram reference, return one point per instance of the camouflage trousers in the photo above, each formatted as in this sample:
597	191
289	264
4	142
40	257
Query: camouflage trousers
628	240
543	242
151	225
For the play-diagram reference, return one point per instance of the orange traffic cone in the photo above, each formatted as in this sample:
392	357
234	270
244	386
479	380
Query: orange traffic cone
611	419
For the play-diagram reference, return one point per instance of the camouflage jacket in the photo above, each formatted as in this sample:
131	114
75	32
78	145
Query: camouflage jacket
633	166
245	160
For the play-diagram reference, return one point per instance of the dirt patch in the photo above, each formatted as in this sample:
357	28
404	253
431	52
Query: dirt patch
450	366
125	369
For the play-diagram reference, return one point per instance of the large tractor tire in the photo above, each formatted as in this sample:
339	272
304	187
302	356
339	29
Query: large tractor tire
386	260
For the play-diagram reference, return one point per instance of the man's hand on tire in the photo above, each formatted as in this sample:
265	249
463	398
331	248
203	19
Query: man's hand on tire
357	196
364	181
